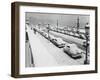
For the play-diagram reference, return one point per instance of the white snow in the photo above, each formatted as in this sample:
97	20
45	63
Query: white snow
69	38
46	54
41	55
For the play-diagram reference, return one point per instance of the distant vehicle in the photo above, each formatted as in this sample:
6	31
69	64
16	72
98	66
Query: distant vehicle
58	42
82	36
62	31
76	35
41	31
71	33
45	34
52	37
73	51
84	43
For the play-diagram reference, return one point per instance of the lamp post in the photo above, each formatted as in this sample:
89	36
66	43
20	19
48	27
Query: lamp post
78	25
86	34
57	25
39	26
48	28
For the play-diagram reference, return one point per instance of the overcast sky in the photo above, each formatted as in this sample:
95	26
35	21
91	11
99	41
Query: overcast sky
63	19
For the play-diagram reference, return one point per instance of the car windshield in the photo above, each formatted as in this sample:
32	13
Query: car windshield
52	37
59	40
73	45
73	48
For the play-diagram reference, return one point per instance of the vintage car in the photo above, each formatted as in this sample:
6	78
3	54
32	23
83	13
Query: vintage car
86	44
58	42
76	35
45	35
82	36
73	51
52	37
71	33
41	32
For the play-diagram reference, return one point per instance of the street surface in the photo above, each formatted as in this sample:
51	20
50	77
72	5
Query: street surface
46	53
69	39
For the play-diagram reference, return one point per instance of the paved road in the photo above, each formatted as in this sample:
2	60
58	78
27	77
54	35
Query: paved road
41	55
61	57
46	54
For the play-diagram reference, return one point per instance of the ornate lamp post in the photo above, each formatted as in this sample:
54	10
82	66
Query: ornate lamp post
86	34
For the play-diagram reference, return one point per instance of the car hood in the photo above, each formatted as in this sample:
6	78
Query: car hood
75	50
60	41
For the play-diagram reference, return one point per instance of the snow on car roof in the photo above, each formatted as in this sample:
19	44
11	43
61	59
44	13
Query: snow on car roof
59	40
72	45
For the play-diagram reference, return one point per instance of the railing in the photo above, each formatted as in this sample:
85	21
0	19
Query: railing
29	61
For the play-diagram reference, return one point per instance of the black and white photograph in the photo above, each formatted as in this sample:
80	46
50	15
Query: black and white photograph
51	39
56	39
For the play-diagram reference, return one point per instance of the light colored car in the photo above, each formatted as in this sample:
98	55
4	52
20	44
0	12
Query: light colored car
42	32
71	33
58	42
76	34
45	35
82	36
73	51
52	37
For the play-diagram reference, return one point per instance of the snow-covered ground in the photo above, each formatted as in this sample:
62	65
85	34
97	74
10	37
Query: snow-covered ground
69	38
40	54
47	54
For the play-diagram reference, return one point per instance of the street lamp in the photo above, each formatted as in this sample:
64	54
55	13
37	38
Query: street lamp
86	34
57	25
48	28
39	26
78	24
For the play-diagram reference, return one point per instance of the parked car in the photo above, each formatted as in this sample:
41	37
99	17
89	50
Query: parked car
84	43
71	33
58	42
45	35
76	35
73	51
42	32
52	37
82	36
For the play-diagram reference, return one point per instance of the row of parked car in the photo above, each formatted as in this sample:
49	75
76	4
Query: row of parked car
70	48
81	36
